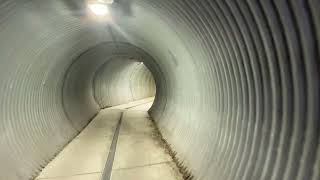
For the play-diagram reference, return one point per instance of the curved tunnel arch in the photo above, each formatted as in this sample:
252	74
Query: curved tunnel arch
122	80
237	81
92	71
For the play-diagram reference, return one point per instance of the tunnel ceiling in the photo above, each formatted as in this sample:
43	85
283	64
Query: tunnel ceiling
237	81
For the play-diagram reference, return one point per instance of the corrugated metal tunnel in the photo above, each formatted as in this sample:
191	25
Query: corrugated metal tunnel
237	82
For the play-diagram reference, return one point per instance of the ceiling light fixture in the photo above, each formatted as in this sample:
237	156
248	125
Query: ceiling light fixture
99	9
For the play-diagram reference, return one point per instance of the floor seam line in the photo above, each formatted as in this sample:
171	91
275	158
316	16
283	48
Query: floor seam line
142	166
80	174
106	175
128	108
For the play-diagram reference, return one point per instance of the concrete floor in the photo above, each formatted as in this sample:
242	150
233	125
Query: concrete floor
138	156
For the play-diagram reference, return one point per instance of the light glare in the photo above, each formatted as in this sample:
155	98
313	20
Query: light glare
99	9
106	1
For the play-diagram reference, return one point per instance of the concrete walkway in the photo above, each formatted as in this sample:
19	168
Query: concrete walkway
138	153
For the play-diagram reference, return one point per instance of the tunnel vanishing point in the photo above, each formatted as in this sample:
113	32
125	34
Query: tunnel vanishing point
237	81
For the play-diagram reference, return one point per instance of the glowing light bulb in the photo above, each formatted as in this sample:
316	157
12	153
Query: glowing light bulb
99	9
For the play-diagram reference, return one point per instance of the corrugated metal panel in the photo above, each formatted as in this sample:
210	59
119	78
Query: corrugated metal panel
237	81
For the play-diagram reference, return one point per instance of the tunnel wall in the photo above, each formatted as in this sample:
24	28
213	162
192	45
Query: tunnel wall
44	47
237	81
142	83
120	81
35	52
242	84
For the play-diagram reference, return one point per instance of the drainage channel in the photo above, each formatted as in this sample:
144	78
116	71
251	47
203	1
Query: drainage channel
106	175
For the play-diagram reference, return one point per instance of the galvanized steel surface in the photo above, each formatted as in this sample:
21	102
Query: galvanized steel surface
237	81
